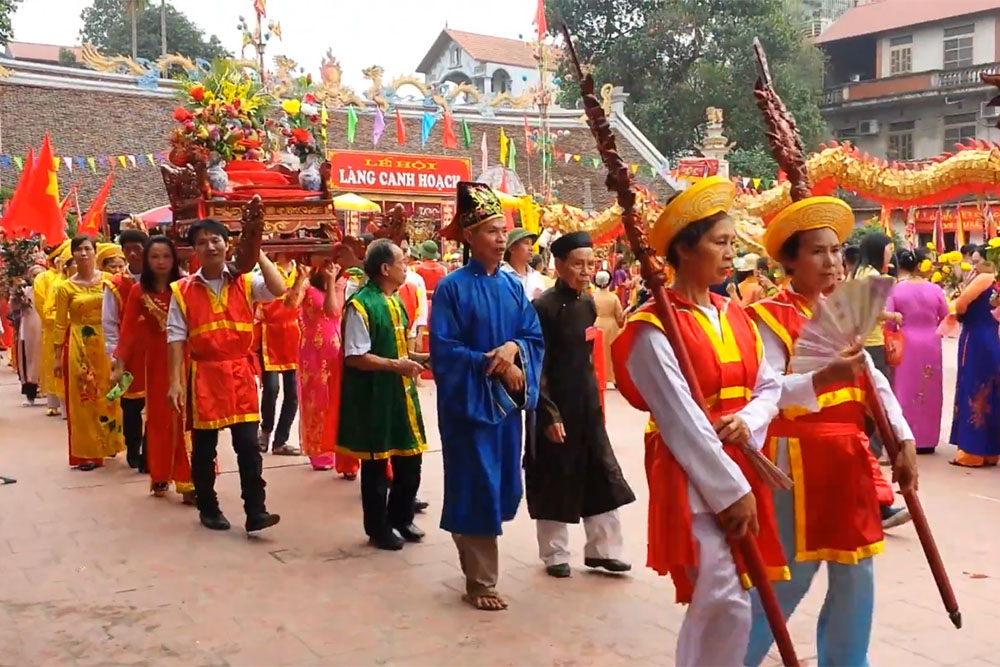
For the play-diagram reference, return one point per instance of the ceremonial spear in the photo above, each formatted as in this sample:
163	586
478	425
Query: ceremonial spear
786	145
619	181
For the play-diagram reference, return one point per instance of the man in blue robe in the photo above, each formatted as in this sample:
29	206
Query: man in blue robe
486	351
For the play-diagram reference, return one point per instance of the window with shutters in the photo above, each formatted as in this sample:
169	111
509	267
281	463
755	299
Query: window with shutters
958	129
901	55
901	140
958	46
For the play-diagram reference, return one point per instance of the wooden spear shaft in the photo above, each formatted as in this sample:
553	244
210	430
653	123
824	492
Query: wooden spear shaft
920	523
619	179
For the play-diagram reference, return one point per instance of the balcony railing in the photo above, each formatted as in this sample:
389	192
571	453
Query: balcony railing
906	84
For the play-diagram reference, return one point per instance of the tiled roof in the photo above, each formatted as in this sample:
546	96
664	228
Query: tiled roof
487	48
38	52
885	15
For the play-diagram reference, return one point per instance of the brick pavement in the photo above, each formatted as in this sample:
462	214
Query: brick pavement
95	571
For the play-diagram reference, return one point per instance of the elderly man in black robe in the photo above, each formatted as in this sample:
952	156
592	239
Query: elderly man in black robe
570	469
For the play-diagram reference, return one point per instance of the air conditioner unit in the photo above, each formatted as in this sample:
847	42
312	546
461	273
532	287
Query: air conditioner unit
869	127
988	112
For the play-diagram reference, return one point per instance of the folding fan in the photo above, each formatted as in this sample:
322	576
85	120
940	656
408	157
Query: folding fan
848	314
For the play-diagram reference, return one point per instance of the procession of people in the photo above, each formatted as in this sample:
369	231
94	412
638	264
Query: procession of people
146	353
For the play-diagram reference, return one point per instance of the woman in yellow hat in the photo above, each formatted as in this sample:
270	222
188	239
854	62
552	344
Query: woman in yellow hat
111	258
82	363
702	487
44	290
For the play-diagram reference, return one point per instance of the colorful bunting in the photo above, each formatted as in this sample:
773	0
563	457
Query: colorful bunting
503	146
485	162
400	130
378	127
426	125
448	138
466	134
511	155
352	124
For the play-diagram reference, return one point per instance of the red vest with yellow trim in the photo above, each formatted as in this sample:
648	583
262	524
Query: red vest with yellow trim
121	287
223	390
279	330
727	373
836	501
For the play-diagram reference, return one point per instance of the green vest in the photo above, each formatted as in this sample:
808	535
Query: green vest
380	411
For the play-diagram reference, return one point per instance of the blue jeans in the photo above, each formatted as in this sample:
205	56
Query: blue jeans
844	629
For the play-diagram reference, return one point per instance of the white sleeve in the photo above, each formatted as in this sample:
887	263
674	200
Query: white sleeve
350	288
892	408
357	341
653	368
797	389
258	288
763	407
177	328
110	320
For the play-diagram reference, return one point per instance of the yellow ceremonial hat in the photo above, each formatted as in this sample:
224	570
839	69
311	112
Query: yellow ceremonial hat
58	250
703	199
65	255
106	251
805	215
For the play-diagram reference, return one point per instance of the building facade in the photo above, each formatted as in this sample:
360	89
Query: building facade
903	75
494	65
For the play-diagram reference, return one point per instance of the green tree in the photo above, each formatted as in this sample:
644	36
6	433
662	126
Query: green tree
107	27
132	9
753	162
677	57
7	8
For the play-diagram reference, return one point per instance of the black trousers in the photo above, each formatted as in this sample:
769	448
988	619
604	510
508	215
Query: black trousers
388	504
30	390
132	430
203	452
877	353
289	404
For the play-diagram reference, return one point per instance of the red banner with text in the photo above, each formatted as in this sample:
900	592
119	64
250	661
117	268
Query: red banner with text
394	173
970	215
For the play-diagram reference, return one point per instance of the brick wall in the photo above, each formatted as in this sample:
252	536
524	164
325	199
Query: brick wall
83	123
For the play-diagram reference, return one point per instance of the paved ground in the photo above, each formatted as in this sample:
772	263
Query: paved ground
95	571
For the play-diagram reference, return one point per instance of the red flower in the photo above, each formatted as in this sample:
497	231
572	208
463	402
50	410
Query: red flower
309	97
181	115
197	93
314	118
302	136
237	103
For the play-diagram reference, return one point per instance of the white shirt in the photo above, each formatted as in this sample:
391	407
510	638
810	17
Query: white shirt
357	341
420	320
111	318
714	480
177	328
531	281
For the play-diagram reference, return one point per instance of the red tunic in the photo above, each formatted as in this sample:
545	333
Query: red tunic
432	272
223	390
280	332
143	349
121	286
835	475
727	374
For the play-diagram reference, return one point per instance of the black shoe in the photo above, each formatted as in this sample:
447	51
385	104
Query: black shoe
214	521
609	564
391	541
560	571
411	533
88	466
419	506
261	521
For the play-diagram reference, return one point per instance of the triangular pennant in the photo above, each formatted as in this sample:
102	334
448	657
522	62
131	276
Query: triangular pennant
131	158
121	158
56	162
19	161
93	164
568	157
634	168
69	164
149	156
577	158
756	184
596	161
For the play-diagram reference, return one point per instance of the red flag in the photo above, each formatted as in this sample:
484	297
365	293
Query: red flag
66	202
448	137
18	196
400	130
91	222
528	143
39	207
543	25
260	6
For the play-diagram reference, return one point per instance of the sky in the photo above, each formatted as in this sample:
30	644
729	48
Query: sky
392	33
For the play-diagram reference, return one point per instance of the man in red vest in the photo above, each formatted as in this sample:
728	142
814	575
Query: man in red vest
211	317
116	294
430	269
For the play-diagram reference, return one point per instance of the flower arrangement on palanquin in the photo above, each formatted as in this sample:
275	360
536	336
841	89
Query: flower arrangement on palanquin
228	129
